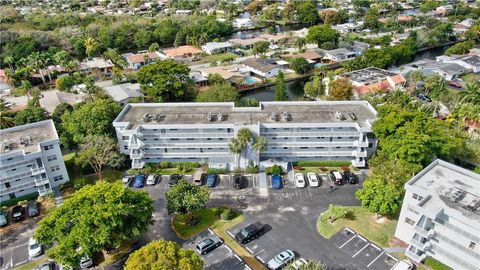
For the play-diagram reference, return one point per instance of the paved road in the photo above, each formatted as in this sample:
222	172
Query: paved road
14	243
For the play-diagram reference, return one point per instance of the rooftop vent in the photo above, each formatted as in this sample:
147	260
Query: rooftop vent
27	140
209	117
222	116
339	116
352	115
275	116
149	117
455	194
287	116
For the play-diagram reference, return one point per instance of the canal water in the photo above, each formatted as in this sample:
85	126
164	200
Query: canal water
295	89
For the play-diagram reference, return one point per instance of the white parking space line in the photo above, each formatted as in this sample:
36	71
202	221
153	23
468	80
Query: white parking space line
259	252
238	258
260	259
22	262
247	268
348	240
347	229
375	259
361	250
249	250
375	246
361	237
210	231
229	250
231	234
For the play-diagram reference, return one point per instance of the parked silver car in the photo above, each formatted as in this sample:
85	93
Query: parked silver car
281	259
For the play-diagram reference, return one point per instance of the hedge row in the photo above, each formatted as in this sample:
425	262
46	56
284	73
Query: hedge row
322	163
11	202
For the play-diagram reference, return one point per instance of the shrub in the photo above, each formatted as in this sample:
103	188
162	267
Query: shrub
217	170
80	182
275	169
164	164
320	163
22	202
228	214
28	197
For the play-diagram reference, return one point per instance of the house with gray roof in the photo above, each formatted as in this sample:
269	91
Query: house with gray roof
123	93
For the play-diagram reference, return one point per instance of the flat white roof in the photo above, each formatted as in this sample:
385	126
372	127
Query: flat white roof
27	137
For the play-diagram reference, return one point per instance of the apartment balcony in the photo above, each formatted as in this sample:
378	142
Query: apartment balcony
312	134
37	170
420	245
190	135
192	154
356	153
415	257
41	181
13	189
361	143
311	143
188	144
137	164
309	153
138	154
356	163
421	231
44	191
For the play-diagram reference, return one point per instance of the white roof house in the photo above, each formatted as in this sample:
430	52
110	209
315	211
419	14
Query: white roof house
216	47
242	23
122	93
98	63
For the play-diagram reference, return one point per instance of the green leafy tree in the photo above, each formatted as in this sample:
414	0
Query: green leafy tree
260	47
116	58
280	88
471	94
429	5
91	47
142	38
435	86
379	197
314	88
186	198
60	110
95	218
30	114
300	65
215	78
307	12
236	148
98	151
371	19
153	47
340	89
320	34
163	255
219	93
335	212
461	48
166	81
6	116
89	119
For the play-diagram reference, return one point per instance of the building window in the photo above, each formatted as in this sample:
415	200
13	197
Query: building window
409	221
125	138
417	197
48	147
52	158
55	168
125	147
58	178
472	245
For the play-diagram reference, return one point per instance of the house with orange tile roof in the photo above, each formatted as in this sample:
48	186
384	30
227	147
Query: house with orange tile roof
181	52
372	80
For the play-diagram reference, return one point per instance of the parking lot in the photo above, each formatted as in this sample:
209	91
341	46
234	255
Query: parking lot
222	258
364	251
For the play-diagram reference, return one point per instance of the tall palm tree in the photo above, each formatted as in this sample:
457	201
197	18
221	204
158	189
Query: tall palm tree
235	148
260	144
244	137
300	43
37	62
471	94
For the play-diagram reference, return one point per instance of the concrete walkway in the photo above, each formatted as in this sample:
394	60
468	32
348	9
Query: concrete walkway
395	249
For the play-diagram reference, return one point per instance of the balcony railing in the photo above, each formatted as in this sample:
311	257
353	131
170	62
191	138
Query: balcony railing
137	164
312	134
37	170
189	135
136	154
419	244
41	181
415	257
6	191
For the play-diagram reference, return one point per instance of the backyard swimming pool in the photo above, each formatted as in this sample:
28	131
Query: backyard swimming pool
251	80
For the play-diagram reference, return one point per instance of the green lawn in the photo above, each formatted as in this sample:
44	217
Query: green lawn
219	57
208	217
364	223
174	170
471	78
436	265
317	169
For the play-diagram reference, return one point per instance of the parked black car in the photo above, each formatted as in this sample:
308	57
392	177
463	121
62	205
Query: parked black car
238	181
209	244
18	213
350	177
174	179
249	233
3	218
423	97
33	209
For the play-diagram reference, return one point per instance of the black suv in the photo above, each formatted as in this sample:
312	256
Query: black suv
350	177
238	181
249	233
174	179
32	209
18	213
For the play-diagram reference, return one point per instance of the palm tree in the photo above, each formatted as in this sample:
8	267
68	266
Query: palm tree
153	47
260	144
26	88
91	46
37	62
244	136
471	94
235	148
6	120
300	43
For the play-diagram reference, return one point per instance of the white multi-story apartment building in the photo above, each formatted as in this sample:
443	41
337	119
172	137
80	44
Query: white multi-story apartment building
440	216
201	132
30	160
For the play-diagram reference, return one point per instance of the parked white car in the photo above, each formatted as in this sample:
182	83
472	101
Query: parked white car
312	179
299	180
280	260
403	265
34	248
151	179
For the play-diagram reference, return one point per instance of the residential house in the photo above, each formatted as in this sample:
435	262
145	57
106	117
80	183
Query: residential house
231	73
273	39
340	54
217	47
242	23
371	80
199	79
138	60
123	93
246	43
98	64
449	71
49	100
186	51
470	62
265	68
463	26
444	10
